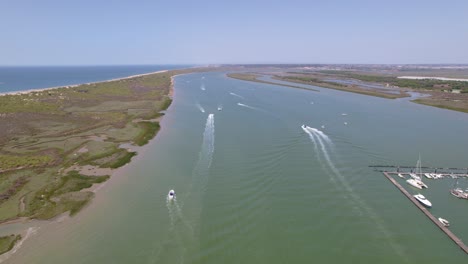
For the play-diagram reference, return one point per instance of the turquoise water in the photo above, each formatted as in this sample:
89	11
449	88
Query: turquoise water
253	186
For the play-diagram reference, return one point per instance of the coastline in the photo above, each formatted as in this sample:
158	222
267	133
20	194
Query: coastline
93	171
79	84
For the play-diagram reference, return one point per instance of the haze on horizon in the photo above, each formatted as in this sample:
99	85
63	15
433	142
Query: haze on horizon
52	32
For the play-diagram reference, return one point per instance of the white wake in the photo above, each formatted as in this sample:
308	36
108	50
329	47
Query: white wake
320	139
241	97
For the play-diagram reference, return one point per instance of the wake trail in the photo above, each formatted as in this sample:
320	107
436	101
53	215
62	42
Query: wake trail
233	94
181	235
252	107
324	141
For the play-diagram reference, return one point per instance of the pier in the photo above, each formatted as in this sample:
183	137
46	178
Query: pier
449	233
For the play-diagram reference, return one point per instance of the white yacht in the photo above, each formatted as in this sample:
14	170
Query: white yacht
416	183
423	200
445	222
171	195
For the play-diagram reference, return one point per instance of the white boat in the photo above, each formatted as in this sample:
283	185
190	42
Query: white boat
401	175
418	173
428	175
445	222
171	195
219	108
414	183
423	200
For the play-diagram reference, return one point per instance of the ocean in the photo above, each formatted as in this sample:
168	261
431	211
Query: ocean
22	78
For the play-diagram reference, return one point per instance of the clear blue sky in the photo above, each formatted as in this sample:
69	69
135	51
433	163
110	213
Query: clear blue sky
91	32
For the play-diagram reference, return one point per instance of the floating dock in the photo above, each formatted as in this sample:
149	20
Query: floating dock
449	233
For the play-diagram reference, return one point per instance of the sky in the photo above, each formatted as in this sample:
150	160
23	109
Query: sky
101	32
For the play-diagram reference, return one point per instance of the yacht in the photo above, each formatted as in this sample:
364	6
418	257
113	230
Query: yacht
423	200
428	175
416	183
445	222
459	193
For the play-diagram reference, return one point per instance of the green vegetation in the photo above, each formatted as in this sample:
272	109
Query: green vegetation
62	195
8	242
166	103
148	131
336	86
407	83
14	161
123	157
19	104
305	79
445	104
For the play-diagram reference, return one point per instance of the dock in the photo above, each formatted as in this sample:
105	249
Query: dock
444	229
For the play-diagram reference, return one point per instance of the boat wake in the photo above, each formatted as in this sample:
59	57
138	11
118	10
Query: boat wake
251	107
206	153
233	94
200	108
324	148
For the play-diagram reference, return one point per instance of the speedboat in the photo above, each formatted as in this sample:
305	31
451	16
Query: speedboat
423	200
445	222
171	195
303	126
219	108
401	175
428	175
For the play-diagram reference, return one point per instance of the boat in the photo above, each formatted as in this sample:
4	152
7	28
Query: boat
219	108
417	174
171	195
401	175
428	175
445	222
459	193
414	183
423	200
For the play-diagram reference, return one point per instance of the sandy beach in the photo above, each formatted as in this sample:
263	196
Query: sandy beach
76	85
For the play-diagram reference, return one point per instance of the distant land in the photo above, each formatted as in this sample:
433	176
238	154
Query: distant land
442	85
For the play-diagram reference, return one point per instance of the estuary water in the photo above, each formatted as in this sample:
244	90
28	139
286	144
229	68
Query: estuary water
268	174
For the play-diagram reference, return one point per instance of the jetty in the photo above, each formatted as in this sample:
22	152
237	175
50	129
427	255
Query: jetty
444	229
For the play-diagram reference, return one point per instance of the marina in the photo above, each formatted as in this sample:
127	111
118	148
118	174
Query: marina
442	224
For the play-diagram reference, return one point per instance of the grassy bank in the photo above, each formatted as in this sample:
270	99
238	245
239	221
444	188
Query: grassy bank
337	86
254	78
8	242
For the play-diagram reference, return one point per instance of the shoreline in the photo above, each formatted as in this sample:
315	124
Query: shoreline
115	175
76	85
